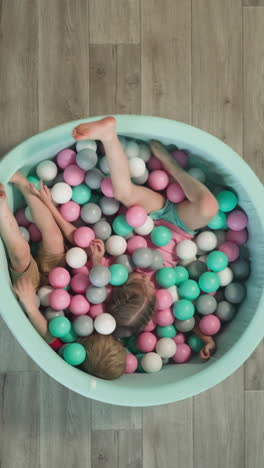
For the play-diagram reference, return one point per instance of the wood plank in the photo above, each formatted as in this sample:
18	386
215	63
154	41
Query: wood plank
116	449
166	58
102	79
254	376
114	22
253	3
63	61
254	429
19	420
128	80
106	417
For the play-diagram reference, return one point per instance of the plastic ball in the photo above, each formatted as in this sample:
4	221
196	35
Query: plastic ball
74	354
221	237
96	295
107	187
181	273
151	325
79	305
137	167
136	216
105	324
146	342
173	290
59	277
209	282
102	230
186	249
119	274
83	236
230	249
142	179
120	226
61	193
235	293
76	257
238	237
218	221
225	276
50	313
91	144
144	152
84	270
46	170
69	337
73	175
163	317
59	299
132	149
166	277
180	337
142	257
81	194
225	311
195	343
157	260
116	245
209	325
227	200
34	233
136	242
151	362
104	165
197	174
184	325
70	211
217	261
240	269
146	228
126	261
131	363
83	325
189	289
154	163
206	304
158	180
161	236
34	180
86	159
109	206
44	294
94	178
196	269
65	158
183	309
163	299
21	218
175	193
166	332
183	353
237	220
95	310
166	347
206	241
59	326
181	157
90	213
28	215
79	283
100	276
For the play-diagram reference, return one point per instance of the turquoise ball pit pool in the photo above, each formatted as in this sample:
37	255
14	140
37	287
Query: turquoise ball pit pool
239	338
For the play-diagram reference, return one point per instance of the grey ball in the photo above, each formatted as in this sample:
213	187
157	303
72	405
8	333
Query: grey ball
96	295
104	165
94	178
157	260
196	269
225	311
100	276
50	313
86	159
90	213
102	230
144	152
240	269
235	293
142	257
206	304
126	261
184	325
219	296
141	179
109	206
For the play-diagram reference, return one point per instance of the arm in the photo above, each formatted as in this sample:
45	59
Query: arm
96	252
210	345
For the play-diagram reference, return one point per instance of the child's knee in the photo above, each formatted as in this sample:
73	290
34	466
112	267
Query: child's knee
21	258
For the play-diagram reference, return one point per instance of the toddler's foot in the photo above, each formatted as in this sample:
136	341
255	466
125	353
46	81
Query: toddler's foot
102	130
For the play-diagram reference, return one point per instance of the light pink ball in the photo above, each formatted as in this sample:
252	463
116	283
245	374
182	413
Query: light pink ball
158	180
150	326
84	269
210	325
80	283
163	318
59	277
154	163
73	175
175	193
21	219
237	220
211	294
107	187
179	338
136	242
146	342
109	290
79	305
181	157
95	310
70	211
163	299
65	158
239	237
230	249
83	236
59	299
136	216
131	363
34	232
183	353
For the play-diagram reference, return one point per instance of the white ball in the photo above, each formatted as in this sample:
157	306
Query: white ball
76	257
61	192
50	313
28	214
220	236
91	144
116	245
104	165
146	228
206	241
37	301
197	174
132	149
141	180
151	362
94	178
47	170
43	294
225	276
144	152
105	324
173	290
137	167
24	233
83	325
166	347
186	249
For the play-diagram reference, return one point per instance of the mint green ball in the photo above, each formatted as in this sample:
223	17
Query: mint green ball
189	289
161	236
95	198
217	260
218	222
121	227
81	194
182	274
74	354
227	200
139	368
119	274
166	332
183	309
209	282
34	180
59	326
166	277
132	345
195	343
69	337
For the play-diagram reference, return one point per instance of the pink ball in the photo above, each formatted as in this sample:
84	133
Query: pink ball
95	310
146	342
131	363
163	299
79	305
107	187
59	277
238	237
109	290
83	236
150	326
211	294
154	163
70	211
65	158
73	175
84	270
136	242
163	318
181	157
80	283
175	193
210	325
230	249
183	353
237	220
59	299
179	338
136	216
21	219
34	232
158	180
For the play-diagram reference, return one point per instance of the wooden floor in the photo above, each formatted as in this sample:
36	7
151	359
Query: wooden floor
201	62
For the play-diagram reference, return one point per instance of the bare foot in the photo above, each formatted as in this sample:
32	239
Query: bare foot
102	130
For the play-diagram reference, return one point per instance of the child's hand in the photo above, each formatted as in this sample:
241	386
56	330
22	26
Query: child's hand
208	349
25	291
96	251
45	194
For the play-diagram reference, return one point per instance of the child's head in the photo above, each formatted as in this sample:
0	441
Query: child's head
132	304
106	356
